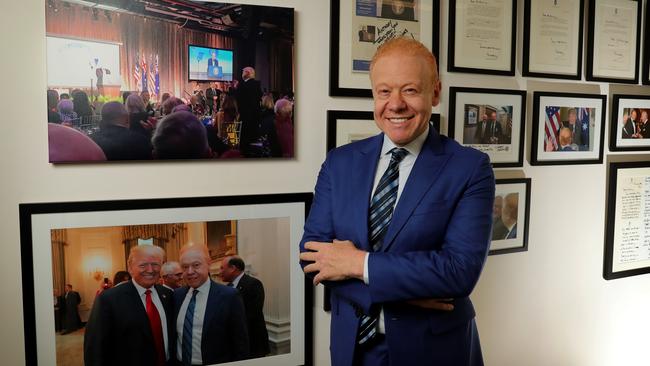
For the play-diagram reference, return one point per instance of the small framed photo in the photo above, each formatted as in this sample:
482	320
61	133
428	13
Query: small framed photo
482	36
626	232
344	127
86	245
629	127
553	39
359	27
567	128
490	120
614	38
510	216
646	48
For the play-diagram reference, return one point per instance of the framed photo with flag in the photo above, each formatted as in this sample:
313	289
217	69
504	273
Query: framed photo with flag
567	128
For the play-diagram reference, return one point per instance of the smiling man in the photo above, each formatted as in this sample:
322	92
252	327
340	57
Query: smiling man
400	226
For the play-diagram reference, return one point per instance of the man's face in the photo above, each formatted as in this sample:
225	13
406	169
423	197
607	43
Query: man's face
227	271
144	268
644	116
498	205
403	96
195	267
493	116
214	54
484	118
633	114
68	288
572	117
174	278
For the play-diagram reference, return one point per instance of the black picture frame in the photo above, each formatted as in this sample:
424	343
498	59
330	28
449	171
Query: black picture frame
528	43
646	48
538	155
451	51
38	219
590	72
337	90
362	119
521	126
612	246
514	245
620	103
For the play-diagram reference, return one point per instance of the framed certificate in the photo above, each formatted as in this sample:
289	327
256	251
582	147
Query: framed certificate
553	38
359	27
613	41
646	48
510	216
627	235
567	128
489	120
482	36
629	125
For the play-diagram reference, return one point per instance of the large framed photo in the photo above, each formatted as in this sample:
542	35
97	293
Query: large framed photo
86	245
359	27
490	120
629	125
614	38
344	127
510	216
567	128
482	36
553	38
143	60
627	232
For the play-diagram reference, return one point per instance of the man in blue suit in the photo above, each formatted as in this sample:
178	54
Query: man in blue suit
210	317
400	227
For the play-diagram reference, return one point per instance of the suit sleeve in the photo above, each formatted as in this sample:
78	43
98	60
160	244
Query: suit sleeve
453	270
97	337
239	329
319	227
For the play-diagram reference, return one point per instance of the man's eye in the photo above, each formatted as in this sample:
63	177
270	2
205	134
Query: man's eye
410	91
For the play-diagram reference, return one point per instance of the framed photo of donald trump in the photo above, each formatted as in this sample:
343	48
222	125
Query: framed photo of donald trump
89	246
567	128
510	216
629	125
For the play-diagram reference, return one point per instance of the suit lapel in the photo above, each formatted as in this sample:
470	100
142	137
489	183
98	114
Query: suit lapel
141	313
425	172
210	306
364	166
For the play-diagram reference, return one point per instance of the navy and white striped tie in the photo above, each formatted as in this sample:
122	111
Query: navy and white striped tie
381	212
187	331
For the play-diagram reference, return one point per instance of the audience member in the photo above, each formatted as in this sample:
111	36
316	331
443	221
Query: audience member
138	118
172	275
169	104
116	139
165	96
180	135
228	114
52	111
121	277
248	94
284	126
69	145
71	319
148	106
66	112
82	104
64	96
267	132
125	96
197	107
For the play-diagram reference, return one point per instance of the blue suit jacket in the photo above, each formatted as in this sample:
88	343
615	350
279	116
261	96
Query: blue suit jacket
225	336
435	247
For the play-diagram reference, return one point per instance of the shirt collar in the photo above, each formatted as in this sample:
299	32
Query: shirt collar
204	288
141	290
414	147
235	282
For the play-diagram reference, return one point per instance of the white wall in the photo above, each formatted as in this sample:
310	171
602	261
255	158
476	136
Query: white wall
547	306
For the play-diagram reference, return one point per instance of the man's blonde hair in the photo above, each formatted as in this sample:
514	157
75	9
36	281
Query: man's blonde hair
409	47
146	249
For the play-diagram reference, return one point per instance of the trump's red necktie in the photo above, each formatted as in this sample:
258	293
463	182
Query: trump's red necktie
156	329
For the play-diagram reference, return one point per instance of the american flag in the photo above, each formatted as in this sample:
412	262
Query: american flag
583	119
151	82
143	66
157	77
552	126
136	71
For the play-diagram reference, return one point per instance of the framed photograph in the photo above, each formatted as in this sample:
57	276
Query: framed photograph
614	38
646	48
510	216
482	36
344	127
145	59
490	120
359	27
567	128
86	244
626	232
629	127
553	39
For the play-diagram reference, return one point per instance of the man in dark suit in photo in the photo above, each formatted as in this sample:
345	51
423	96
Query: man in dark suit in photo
252	292
213	65
510	214
481	128
248	95
629	125
132	324
71	319
212	98
400	227
210	318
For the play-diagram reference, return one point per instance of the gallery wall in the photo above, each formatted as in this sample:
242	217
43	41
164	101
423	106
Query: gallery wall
546	306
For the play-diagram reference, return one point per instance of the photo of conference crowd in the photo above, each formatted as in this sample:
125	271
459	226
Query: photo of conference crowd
160	293
141	80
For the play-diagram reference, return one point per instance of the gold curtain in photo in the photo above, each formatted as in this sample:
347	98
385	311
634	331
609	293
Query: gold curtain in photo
170	237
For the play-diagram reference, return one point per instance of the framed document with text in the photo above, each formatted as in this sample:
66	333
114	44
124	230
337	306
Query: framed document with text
553	38
482	36
627	234
359	27
646	48
614	41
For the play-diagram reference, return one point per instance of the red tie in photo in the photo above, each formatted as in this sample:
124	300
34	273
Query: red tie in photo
156	329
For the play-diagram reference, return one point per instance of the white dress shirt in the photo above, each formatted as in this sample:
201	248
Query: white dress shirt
405	167
235	282
197	323
161	311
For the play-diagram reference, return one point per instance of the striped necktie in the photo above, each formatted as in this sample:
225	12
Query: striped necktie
187	330
381	212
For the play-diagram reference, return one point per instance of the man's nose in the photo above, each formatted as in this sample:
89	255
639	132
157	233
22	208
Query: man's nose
396	101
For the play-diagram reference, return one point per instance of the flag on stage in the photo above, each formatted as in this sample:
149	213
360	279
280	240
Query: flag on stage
136	71
157	77
583	119
143	66
151	82
552	126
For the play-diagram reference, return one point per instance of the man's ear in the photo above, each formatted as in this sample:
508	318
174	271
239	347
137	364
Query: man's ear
435	96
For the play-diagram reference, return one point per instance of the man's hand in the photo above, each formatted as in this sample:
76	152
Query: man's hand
434	304
335	261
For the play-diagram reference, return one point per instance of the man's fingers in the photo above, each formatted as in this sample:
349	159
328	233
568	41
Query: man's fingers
308	256
311	268
314	245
